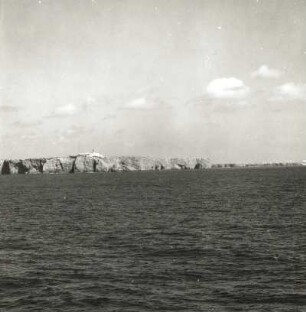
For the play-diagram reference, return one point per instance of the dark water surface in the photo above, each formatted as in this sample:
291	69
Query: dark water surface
214	240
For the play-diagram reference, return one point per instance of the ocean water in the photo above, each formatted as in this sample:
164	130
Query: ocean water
211	240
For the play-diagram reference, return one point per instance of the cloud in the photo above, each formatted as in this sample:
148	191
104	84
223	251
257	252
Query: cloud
143	103
227	88
265	72
75	130
8	109
32	136
70	133
63	111
109	116
137	103
26	125
290	91
69	109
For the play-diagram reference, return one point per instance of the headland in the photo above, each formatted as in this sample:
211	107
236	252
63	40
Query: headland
95	162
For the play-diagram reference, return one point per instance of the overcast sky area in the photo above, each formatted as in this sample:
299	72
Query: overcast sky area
224	79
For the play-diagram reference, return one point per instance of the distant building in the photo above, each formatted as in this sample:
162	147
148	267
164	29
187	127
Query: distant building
92	154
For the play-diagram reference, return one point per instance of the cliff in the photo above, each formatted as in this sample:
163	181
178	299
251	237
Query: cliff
92	163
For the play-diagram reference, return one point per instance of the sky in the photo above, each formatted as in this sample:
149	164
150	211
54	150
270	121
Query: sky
219	79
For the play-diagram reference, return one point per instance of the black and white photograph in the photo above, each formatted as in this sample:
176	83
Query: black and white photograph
153	155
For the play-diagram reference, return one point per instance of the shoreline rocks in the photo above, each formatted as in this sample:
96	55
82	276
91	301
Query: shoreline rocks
88	163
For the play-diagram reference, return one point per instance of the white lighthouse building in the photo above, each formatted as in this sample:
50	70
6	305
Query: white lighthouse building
92	154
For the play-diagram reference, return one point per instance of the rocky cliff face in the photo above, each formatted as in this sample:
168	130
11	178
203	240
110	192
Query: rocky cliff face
22	166
59	165
85	163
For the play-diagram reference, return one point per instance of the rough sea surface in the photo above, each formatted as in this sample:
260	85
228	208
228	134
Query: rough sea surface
211	240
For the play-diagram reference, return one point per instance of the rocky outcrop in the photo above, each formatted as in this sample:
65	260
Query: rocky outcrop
103	165
84	164
147	163
32	166
67	164
1	165
59	165
87	163
22	166
12	166
53	165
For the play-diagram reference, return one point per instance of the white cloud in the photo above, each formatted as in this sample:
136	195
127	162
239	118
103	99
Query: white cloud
90	100
227	88
265	72
63	111
290	91
140	103
69	109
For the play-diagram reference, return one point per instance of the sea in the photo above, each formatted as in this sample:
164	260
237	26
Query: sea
200	240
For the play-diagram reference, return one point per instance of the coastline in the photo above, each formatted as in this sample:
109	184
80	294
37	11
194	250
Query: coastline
91	163
87	163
